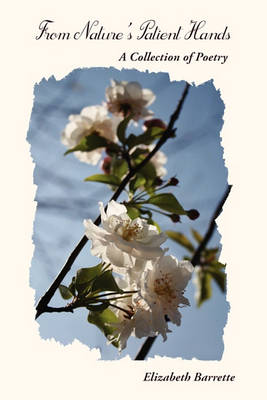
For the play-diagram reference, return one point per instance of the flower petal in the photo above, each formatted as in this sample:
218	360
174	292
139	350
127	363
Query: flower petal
115	208
134	90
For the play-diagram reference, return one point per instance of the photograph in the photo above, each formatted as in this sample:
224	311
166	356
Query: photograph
133	200
130	177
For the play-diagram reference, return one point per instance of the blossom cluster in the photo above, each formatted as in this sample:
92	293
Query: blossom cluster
137	288
147	288
122	99
132	248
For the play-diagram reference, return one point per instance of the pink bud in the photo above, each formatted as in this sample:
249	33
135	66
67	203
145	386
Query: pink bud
155	122
173	181
106	165
158	181
175	218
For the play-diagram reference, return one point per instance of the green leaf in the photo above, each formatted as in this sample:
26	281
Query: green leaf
72	287
137	182
103	320
85	277
197	235
122	128
216	264
167	202
205	290
209	255
148	171
131	141
98	307
146	138
219	277
152	222
133	212
87	274
65	292
102	178
181	239
106	283
89	143
119	167
113	149
155	132
138	152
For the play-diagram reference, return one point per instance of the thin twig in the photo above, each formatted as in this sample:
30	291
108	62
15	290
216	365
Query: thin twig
45	299
128	159
60	309
121	309
145	348
196	258
91	301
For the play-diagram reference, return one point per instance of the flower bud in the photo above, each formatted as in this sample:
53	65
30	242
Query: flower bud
175	218
158	181
192	214
173	181
106	165
155	122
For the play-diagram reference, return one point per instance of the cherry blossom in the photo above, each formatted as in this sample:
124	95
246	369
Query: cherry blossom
125	98
121	241
91	119
162	286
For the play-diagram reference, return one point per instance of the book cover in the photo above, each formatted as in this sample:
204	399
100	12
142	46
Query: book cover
91	91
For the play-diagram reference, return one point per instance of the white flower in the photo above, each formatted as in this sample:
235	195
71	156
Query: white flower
134	317
158	160
122	241
133	275
198	274
129	97
91	119
163	283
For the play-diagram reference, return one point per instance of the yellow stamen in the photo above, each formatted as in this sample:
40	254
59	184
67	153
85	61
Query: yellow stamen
130	231
163	287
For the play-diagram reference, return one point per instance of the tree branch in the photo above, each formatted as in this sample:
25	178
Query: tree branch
196	258
42	305
145	348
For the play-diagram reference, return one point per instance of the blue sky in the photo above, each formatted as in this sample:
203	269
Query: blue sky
195	156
